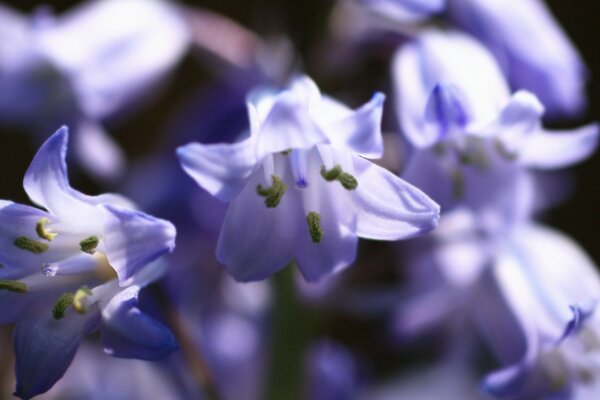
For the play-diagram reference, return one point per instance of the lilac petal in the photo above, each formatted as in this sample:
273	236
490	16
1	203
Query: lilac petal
444	111
559	149
121	57
45	347
256	241
357	131
132	239
129	333
406	10
98	152
388	207
221	169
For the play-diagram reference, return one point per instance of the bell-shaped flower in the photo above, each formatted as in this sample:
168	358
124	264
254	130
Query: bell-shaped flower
543	323
533	50
84	66
472	140
300	186
73	267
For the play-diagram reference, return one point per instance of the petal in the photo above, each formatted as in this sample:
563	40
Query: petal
132	239
45	347
249	225
444	112
357	131
559	149
389	208
129	45
221	169
129	333
98	152
406	10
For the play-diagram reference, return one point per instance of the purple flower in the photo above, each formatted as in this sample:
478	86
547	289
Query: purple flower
75	266
532	49
85	66
405	10
300	188
473	142
542	324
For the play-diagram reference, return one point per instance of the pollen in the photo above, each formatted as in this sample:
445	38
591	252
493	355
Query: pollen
336	173
61	305
274	193
78	297
34	246
13	286
89	244
313	219
42	231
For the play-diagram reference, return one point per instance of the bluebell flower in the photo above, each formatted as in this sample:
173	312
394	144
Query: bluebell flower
541	317
300	187
75	266
85	66
473	141
332	372
533	50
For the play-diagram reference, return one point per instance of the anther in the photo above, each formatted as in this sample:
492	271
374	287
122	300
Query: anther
504	152
458	184
89	244
43	233
348	181
13	286
61	305
34	246
274	193
78	297
313	219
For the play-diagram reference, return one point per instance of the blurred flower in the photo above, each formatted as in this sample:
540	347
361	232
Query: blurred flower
97	251
405	10
542	323
473	142
531	48
313	145
85	66
332	372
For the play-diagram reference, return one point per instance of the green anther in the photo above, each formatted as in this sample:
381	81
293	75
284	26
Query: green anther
504	152
313	219
78	297
41	230
286	152
88	245
31	245
348	181
13	286
332	174
336	173
274	193
458	184
61	305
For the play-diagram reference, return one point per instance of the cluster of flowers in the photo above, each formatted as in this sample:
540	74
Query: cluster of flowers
282	175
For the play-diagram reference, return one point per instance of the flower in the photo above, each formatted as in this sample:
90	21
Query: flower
532	49
540	316
95	250
473	142
405	10
300	188
86	66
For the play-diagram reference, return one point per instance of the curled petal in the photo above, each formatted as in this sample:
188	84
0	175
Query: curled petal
132	239
559	149
221	169
127	332
388	207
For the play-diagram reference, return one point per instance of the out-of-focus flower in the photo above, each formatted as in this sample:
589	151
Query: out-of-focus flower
542	323
97	252
473	141
300	188
85	66
405	10
332	372
531	48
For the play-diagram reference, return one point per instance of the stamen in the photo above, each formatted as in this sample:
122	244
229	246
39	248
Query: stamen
313	219
34	246
274	193
78	299
504	152
42	232
78	264
13	286
458	184
286	152
88	245
61	305
348	181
